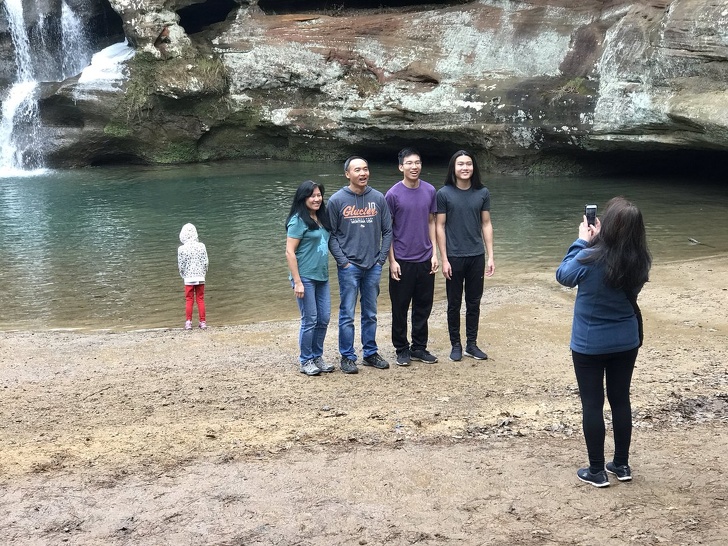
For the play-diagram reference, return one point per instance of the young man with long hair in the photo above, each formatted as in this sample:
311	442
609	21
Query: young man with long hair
463	227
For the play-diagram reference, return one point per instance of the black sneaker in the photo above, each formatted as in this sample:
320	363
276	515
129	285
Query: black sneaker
403	357
597	480
456	355
623	472
376	361
423	356
348	366
309	368
474	352
322	365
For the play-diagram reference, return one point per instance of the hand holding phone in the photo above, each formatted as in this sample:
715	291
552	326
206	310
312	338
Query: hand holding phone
590	211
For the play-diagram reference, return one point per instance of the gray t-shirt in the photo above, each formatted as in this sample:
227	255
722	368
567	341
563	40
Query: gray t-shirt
463	225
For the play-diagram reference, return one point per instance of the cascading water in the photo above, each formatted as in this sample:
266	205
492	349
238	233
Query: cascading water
19	104
73	38
60	50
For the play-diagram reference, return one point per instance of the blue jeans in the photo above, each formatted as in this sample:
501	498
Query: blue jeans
315	307
354	280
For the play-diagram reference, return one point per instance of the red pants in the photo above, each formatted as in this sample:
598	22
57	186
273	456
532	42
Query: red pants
195	292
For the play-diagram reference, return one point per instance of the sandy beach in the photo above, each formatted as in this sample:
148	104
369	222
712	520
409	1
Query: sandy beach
214	437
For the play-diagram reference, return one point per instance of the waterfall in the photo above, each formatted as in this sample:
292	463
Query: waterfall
105	71
73	38
19	103
62	50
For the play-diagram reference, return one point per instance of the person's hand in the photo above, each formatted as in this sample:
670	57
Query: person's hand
446	270
434	265
490	267
588	232
394	270
298	289
585	230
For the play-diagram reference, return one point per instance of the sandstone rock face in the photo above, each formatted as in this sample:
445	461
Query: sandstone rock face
531	85
663	77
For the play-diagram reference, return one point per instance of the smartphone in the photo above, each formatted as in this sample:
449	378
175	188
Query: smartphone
591	215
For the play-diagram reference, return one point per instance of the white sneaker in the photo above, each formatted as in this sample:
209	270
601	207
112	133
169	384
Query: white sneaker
309	368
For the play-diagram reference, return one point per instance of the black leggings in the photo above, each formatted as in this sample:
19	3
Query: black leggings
590	371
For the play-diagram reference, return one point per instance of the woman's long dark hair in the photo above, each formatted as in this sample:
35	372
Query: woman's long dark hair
304	191
475	181
621	245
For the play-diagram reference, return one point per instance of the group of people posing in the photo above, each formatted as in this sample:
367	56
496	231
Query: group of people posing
609	262
362	228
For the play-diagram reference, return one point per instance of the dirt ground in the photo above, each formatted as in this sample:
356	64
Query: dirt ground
213	437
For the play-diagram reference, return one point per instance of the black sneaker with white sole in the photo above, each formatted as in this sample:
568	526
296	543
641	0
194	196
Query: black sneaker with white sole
623	471
423	355
598	479
473	352
403	357
456	355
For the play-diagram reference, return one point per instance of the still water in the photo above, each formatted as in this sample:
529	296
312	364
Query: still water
97	248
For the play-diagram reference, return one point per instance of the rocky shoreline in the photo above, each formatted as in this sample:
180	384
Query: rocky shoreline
214	437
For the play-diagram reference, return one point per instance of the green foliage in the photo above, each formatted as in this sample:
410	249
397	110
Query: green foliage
575	85
149	76
211	71
142	77
116	129
366	84
176	152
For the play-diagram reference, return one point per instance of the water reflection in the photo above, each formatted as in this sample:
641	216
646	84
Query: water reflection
98	248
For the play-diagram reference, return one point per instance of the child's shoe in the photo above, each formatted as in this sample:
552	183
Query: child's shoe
188	325
203	325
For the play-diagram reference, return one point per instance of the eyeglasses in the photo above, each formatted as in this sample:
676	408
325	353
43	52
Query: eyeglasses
412	163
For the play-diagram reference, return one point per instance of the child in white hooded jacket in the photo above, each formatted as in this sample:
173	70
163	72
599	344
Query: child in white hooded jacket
192	262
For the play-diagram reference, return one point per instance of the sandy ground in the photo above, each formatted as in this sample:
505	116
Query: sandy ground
214	437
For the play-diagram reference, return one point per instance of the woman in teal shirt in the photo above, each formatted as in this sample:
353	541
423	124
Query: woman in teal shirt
307	254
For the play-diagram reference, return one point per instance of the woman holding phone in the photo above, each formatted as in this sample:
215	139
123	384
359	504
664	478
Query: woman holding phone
610	263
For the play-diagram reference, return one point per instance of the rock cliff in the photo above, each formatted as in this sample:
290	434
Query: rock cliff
531	86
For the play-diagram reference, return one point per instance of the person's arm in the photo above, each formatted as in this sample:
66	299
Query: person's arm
442	245
571	270
394	268
291	246
487	228
181	262
334	246
434	265
386	234
206	260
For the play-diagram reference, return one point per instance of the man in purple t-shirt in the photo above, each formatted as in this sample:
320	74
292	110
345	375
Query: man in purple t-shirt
412	258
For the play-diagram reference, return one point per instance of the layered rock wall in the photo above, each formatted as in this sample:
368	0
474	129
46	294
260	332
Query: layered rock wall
532	85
